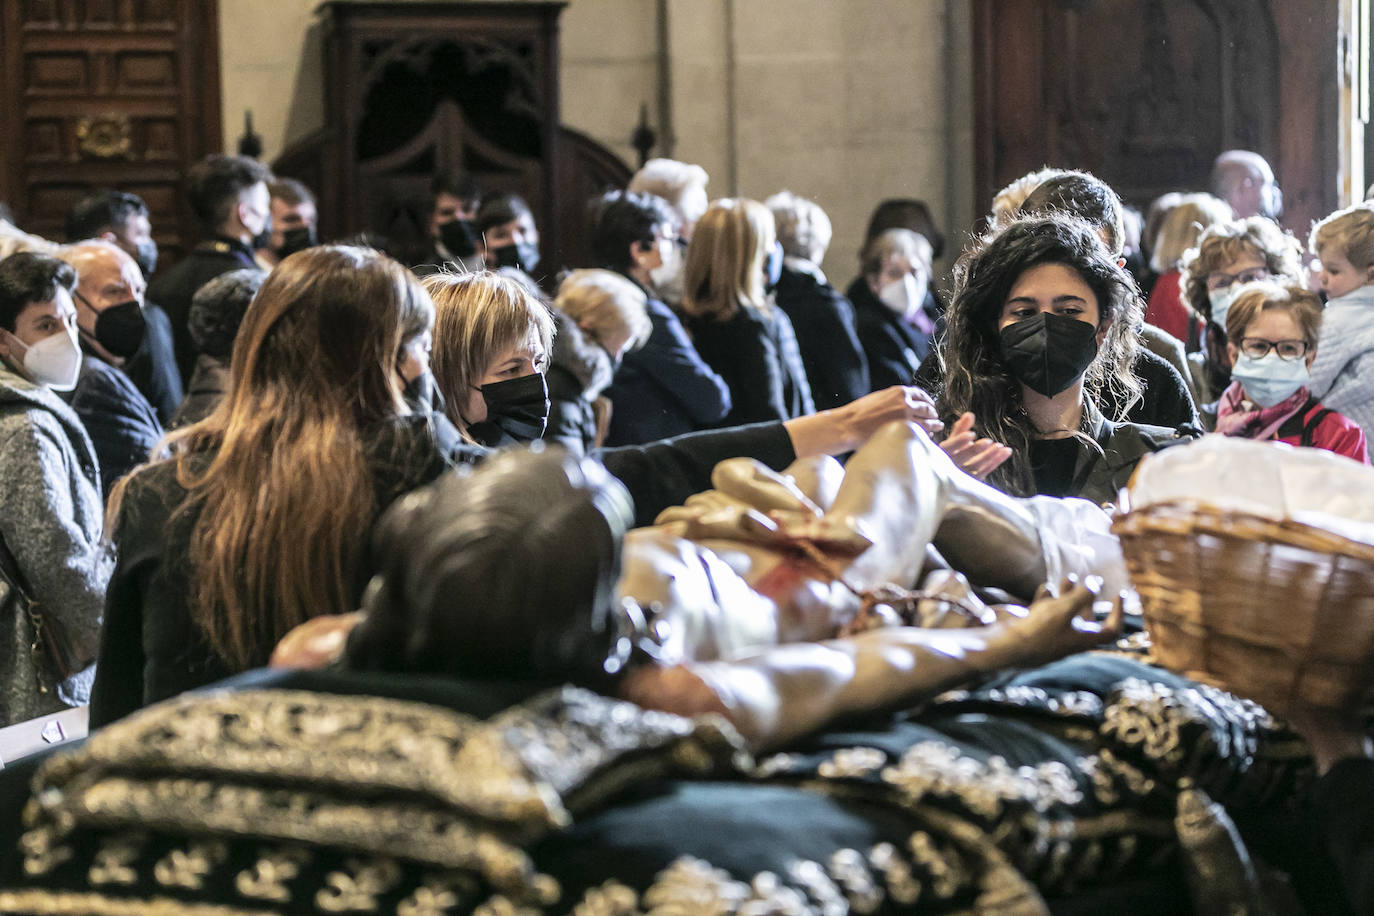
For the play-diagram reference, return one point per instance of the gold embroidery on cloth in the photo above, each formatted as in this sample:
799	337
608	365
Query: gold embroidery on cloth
850	872
933	767
113	862
902	883
327	740
853	763
500	906
437	896
189	867
59	903
42	851
402	829
267	878
825	896
358	888
610	899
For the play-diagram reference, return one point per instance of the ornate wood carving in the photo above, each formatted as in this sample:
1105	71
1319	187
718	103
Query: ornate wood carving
415	87
107	93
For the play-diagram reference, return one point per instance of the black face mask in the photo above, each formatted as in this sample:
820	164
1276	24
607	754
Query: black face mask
120	328
522	256
296	239
517	409
459	236
147	257
1048	353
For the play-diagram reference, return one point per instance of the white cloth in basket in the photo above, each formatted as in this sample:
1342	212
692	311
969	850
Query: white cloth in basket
1268	479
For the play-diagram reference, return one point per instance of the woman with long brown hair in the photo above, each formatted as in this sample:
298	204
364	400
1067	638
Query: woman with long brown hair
257	517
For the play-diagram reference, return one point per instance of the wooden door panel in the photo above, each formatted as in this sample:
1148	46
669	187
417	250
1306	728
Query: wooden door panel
1145	93
105	95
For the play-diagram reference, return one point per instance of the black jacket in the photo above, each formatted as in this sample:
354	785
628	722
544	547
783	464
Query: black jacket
823	320
893	346
756	353
122	424
664	388
1164	398
1099	474
154	367
173	289
150	649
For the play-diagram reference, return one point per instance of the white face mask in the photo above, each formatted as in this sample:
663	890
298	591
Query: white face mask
54	361
1221	300
903	296
1269	379
667	278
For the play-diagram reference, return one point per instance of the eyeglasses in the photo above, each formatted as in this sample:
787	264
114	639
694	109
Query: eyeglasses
1258	348
1217	280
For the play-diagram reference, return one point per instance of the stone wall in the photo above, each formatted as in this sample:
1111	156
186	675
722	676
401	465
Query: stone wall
844	102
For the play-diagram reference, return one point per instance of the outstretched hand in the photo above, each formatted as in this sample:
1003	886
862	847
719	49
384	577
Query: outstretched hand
871	412
975	457
844	429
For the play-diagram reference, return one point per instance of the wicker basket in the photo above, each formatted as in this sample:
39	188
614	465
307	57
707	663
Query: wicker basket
1278	611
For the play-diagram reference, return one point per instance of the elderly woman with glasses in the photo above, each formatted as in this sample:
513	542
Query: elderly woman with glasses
1229	255
1271	333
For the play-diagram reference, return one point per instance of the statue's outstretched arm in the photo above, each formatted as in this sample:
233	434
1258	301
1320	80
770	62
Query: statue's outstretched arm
794	689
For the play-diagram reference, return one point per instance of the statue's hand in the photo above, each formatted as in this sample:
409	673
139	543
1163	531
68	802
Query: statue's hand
1054	627
315	643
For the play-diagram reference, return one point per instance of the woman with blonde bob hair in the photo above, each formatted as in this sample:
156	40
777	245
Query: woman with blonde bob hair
493	342
256	517
733	261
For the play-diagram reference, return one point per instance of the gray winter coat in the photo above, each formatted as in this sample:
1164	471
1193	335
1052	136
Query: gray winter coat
50	519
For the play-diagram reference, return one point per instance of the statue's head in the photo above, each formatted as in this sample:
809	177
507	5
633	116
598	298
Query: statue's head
507	572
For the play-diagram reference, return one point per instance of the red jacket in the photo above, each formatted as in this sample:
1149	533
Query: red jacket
1315	426
1167	310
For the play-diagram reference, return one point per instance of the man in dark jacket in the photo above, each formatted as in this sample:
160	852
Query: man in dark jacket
230	198
109	314
665	388
122	218
822	318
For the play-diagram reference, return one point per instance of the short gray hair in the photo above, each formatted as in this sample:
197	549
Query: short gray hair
803	228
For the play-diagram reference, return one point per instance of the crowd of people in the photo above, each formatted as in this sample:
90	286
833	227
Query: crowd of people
198	456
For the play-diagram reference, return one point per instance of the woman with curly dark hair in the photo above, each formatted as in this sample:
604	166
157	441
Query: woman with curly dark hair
1042	321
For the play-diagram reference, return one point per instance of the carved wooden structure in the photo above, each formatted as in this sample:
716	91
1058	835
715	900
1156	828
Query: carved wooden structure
415	87
106	93
1145	93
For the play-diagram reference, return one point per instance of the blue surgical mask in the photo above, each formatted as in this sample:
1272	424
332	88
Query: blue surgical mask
772	267
1269	379
1221	300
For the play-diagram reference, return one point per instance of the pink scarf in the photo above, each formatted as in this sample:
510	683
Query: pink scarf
1238	417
